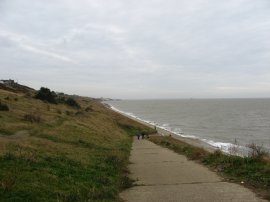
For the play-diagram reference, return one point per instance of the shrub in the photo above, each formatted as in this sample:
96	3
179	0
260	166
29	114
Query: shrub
257	152
73	103
46	94
88	109
3	107
61	99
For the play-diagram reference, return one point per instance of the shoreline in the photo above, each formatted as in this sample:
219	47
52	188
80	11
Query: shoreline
234	171
163	132
210	145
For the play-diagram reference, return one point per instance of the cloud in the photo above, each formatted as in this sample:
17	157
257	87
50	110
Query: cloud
159	48
23	43
44	52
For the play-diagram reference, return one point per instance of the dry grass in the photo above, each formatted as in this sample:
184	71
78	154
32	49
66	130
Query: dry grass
83	154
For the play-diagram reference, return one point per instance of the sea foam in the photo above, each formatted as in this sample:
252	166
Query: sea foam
226	147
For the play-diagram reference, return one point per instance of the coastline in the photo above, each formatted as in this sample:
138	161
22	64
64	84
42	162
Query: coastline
164	132
230	166
232	127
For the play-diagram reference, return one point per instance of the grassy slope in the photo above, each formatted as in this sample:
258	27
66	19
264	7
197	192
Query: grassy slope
68	156
254	172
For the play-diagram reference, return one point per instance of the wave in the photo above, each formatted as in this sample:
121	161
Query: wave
226	147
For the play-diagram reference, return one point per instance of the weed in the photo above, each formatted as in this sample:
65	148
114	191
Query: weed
234	149
257	152
126	182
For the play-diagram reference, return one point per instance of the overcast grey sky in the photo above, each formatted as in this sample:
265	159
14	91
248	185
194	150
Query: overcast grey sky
138	48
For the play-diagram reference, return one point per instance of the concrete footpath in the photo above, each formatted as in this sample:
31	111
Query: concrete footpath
163	176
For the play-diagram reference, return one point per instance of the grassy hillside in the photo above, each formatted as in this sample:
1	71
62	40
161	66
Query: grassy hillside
52	152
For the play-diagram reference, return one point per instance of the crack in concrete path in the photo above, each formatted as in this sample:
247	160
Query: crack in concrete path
175	184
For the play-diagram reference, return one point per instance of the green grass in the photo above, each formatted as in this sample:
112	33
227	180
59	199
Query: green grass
66	156
254	172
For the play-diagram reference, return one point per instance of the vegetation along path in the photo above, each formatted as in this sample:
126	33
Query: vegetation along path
162	175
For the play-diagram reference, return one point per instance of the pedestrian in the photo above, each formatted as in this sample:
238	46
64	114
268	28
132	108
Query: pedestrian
143	135
138	135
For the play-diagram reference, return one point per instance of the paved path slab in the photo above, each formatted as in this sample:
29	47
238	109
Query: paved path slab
163	176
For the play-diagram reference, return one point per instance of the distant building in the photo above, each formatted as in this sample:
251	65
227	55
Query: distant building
9	82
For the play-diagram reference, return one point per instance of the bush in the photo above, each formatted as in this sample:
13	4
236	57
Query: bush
71	102
3	107
257	152
46	94
61	99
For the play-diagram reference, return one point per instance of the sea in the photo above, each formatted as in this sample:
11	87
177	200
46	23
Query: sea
221	123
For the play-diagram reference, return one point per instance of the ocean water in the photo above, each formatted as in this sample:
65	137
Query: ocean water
222	123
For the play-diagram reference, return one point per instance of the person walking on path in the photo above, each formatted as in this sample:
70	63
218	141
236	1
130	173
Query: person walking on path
138	135
143	134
